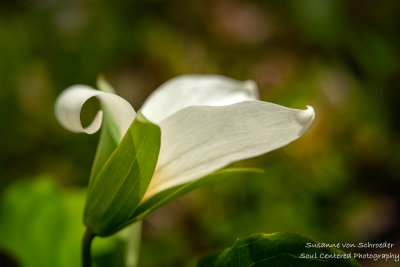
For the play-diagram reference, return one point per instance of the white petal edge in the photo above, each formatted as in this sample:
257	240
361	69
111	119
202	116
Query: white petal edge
194	89
70	102
199	140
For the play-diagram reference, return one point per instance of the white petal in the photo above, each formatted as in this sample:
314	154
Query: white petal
190	90
69	105
199	140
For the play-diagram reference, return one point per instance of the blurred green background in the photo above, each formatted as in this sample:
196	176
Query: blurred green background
339	183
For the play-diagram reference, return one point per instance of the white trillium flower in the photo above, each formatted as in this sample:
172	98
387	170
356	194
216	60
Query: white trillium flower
206	121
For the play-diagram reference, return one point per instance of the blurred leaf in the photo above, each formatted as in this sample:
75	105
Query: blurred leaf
39	226
119	186
278	249
163	198
104	85
131	238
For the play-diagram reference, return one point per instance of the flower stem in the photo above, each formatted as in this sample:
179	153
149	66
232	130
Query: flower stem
86	245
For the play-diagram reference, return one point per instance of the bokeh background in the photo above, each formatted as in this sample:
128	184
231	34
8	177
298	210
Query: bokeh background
339	183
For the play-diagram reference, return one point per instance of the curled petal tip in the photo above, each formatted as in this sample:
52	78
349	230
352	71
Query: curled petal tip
309	112
251	86
96	123
70	102
306	117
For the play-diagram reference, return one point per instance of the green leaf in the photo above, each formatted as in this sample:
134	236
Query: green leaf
109	136
163	198
41	225
108	142
277	249
121	183
24	212
37	225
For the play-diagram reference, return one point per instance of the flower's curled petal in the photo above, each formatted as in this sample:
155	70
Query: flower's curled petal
199	140
69	105
190	90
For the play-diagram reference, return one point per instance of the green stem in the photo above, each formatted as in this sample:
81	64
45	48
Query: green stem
86	245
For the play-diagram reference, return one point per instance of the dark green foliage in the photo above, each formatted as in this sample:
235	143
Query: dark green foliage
278	250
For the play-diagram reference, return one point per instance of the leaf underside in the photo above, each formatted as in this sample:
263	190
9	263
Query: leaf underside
120	184
277	249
